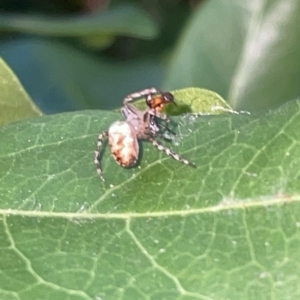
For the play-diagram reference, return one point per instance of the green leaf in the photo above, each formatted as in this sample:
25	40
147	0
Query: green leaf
201	101
63	79
123	20
15	104
226	230
194	100
247	51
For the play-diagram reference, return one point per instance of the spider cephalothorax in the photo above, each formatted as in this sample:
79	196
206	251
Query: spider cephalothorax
123	136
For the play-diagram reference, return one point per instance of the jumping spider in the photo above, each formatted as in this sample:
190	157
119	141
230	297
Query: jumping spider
123	136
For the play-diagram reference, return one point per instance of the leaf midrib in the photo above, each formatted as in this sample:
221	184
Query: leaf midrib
224	205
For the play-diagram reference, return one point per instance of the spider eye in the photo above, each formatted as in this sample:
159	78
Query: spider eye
168	97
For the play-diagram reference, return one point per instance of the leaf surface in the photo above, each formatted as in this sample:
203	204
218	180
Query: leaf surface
15	104
193	100
226	230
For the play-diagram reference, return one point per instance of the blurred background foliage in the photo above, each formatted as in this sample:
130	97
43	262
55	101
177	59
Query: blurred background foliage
83	54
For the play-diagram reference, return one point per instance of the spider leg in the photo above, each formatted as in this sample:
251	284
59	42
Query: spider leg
130	110
139	94
165	121
159	115
166	124
166	128
162	129
101	137
166	133
170	152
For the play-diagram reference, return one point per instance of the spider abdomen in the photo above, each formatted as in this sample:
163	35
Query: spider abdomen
123	143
